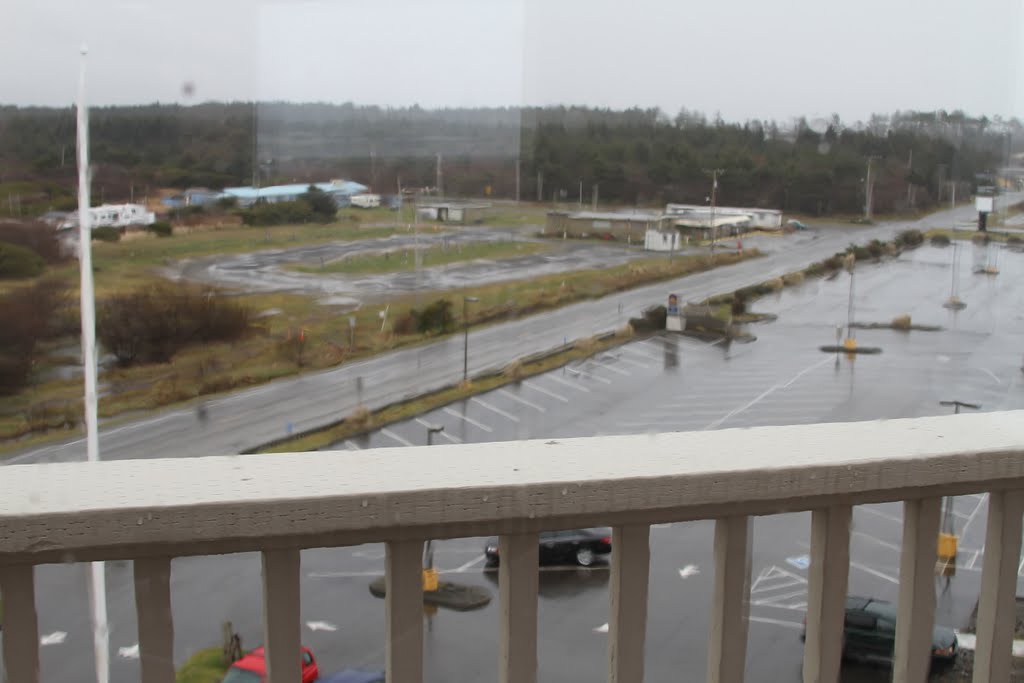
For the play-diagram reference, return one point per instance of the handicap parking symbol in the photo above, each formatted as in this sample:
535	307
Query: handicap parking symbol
800	561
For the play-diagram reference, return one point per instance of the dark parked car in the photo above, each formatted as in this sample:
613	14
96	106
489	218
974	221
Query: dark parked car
869	633
581	546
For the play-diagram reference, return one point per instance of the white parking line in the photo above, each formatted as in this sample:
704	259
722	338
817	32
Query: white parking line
461	568
612	368
637	363
588	375
508	394
494	409
351	445
967	524
813	366
875	572
391	435
450	437
567	383
877	513
777	622
639	352
531	385
884	544
774	600
468	420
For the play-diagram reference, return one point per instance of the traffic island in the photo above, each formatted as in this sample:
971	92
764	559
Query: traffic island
862	350
454	596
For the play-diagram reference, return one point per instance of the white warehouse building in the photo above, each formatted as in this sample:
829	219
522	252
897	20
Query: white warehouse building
112	215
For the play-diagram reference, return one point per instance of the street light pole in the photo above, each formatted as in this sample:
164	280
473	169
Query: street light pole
428	550
465	337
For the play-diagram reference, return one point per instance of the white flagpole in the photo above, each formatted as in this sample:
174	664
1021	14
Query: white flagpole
97	573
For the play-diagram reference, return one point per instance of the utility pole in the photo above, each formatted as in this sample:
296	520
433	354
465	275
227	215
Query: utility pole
594	208
581	194
715	172
540	186
373	166
869	190
517	181
439	181
910	185
255	150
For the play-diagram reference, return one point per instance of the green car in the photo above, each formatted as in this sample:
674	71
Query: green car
869	633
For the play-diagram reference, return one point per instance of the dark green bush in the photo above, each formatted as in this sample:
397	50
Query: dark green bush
910	238
19	262
1014	240
876	249
160	229
106	233
437	317
940	240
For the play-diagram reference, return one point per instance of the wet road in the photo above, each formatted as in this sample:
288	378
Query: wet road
660	384
247	419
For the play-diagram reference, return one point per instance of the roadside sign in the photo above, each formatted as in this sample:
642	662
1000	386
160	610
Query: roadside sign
673	304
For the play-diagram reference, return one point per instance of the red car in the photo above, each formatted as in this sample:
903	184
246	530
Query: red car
252	668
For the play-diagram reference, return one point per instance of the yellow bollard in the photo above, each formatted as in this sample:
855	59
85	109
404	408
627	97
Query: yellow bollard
429	580
947	546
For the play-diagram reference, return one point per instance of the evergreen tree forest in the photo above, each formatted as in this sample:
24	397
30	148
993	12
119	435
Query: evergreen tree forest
633	157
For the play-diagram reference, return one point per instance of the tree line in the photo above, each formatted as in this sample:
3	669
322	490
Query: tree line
636	156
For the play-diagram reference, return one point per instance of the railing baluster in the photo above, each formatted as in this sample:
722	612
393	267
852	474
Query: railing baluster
21	627
518	579
916	614
826	593
156	623
727	650
996	608
627	622
404	612
281	614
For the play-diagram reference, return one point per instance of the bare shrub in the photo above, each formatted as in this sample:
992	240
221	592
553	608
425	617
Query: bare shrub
153	323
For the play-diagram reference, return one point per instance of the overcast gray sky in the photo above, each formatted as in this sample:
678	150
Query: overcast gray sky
744	58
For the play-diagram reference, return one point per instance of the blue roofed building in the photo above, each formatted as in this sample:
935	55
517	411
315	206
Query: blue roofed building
339	190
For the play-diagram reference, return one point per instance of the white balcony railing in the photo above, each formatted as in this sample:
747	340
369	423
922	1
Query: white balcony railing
153	510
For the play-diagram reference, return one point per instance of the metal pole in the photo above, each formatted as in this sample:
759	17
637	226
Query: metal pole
465	340
97	574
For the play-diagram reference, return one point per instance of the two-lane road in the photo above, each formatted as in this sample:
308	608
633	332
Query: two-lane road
245	420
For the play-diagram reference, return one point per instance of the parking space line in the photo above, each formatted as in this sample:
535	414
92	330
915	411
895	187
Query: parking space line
767	392
637	363
508	394
877	513
567	383
638	352
1020	568
612	368
351	445
775	599
468	420
974	558
450	437
531	385
874	572
391	435
777	586
777	622
967	524
588	375
494	409
463	567
884	544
